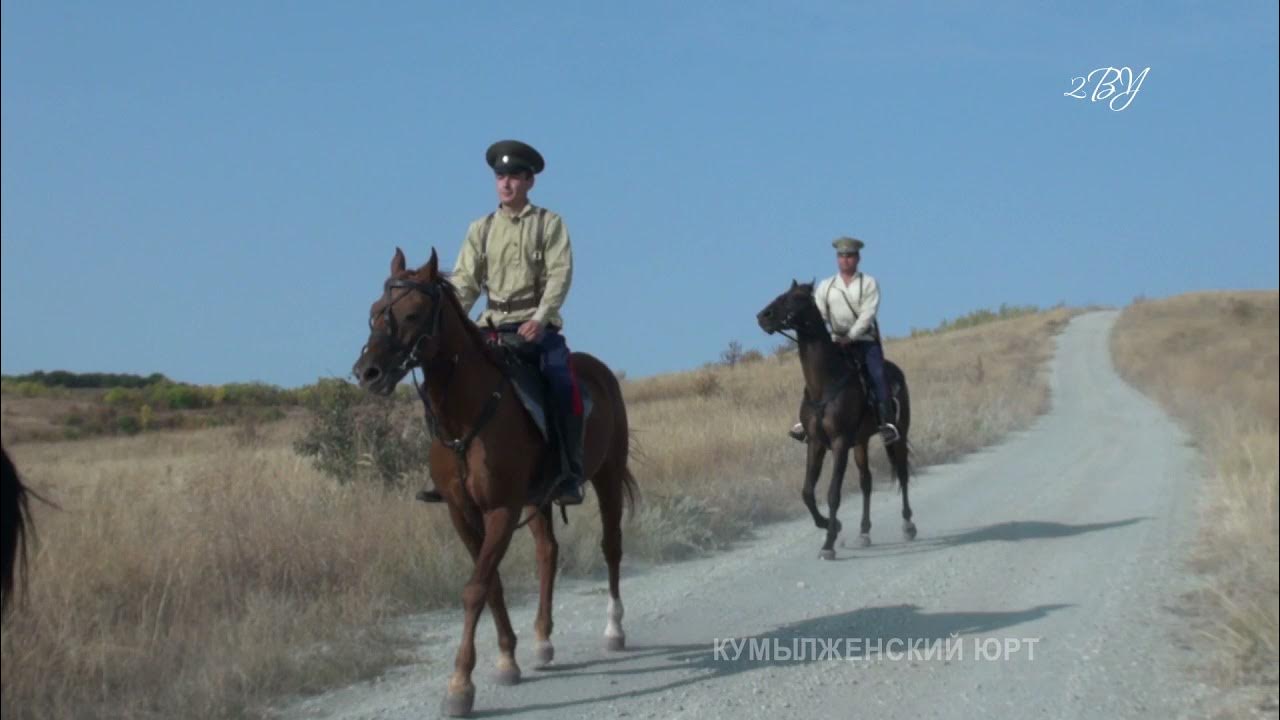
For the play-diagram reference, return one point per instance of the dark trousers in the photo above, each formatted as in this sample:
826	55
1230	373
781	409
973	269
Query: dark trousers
556	368
872	356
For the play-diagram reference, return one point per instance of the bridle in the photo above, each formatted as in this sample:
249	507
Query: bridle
411	362
800	326
391	334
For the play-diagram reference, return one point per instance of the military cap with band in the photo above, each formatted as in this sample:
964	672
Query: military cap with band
847	244
512	156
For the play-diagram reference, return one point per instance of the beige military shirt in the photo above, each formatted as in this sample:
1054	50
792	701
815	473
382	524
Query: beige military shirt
511	271
850	310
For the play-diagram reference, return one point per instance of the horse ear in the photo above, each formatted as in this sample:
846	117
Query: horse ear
397	262
433	265
794	284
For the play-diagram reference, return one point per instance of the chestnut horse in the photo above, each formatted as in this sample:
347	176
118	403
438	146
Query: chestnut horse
487	455
836	414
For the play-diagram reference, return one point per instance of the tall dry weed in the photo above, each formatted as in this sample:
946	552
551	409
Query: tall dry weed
1212	360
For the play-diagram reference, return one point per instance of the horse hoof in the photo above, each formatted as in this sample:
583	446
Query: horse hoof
459	704
615	643
864	540
544	652
507	674
909	531
827	554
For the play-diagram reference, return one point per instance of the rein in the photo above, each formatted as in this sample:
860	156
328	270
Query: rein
832	390
411	364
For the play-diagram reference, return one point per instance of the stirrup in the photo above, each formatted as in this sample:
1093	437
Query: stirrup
890	433
429	496
570	494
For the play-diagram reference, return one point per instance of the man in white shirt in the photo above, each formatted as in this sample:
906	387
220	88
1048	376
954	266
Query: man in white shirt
849	302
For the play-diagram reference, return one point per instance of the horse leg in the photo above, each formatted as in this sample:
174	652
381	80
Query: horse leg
898	458
508	672
864	481
498	527
548	552
840	451
817	453
609	491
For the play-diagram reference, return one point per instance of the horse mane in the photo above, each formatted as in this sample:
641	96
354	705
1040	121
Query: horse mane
811	308
476	335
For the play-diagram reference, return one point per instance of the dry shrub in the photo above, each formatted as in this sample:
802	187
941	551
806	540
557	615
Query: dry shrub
198	580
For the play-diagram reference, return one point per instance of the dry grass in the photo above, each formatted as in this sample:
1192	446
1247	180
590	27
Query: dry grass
186	576
199	573
1212	360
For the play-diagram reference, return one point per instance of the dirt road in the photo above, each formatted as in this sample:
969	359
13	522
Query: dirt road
1044	583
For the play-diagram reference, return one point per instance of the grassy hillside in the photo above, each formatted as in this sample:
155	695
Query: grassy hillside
1212	360
194	573
71	406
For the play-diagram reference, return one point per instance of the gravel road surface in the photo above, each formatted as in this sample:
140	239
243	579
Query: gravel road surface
1044	583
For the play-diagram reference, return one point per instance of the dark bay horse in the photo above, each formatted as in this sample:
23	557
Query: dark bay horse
487	455
15	516
836	414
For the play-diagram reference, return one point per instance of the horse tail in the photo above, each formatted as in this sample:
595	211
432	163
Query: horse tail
630	490
15	519
894	377
607	392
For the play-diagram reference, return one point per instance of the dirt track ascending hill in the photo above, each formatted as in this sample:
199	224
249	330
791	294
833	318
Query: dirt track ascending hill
1044	583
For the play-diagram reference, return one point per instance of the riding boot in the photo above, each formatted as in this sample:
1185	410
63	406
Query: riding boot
430	496
797	432
569	431
887	429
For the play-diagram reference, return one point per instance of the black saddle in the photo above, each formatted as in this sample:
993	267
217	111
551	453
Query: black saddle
892	378
523	364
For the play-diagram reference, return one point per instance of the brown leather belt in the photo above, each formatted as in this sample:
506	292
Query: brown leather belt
510	306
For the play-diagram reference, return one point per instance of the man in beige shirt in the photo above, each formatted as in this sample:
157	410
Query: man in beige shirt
520	257
849	301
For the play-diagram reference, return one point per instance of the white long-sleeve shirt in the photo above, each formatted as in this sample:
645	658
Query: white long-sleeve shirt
850	310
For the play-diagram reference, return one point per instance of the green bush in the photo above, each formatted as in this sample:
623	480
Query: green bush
87	420
256	394
175	396
65	379
353	436
129	424
24	388
978	317
123	397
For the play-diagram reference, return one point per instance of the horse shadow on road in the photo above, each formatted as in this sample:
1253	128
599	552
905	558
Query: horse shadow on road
1011	531
664	668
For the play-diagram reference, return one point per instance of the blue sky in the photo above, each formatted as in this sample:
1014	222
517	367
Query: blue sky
215	190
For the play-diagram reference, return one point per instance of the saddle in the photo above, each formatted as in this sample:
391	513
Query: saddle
891	379
523	365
